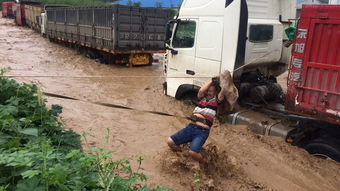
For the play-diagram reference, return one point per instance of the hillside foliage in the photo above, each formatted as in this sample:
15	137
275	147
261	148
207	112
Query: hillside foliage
36	153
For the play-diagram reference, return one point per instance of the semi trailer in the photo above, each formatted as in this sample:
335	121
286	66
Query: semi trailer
125	34
211	36
33	16
113	33
7	10
20	14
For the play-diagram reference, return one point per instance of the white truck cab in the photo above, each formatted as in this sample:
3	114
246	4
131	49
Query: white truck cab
210	36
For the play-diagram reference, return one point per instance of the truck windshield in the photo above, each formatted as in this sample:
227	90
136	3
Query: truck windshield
185	35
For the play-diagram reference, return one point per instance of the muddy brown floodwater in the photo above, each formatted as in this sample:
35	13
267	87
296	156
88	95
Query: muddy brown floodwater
237	158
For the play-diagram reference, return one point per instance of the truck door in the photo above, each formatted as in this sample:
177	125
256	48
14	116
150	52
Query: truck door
209	49
181	60
203	45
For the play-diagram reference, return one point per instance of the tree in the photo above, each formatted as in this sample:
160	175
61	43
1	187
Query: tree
129	2
158	4
171	4
110	1
137	4
324	1
173	12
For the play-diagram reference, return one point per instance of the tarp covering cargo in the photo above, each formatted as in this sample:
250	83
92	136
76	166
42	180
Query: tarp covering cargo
314	72
115	27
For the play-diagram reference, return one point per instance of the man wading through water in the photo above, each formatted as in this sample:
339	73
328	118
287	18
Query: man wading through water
197	132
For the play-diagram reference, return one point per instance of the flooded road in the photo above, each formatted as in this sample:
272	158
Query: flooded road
238	159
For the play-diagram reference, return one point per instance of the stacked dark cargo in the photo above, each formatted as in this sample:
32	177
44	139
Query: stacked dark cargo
115	27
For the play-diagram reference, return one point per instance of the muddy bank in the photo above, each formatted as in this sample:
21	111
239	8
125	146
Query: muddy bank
237	159
240	160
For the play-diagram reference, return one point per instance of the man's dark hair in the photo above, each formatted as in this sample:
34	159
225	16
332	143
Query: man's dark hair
217	87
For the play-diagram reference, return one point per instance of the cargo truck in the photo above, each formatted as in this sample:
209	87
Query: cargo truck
28	14
211	36
124	34
14	10
20	14
32	16
7	11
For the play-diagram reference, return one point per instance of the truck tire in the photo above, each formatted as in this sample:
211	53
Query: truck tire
50	39
326	147
186	92
150	60
276	92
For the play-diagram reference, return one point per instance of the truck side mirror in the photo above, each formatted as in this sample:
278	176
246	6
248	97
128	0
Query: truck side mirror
168	34
169	30
169	27
173	51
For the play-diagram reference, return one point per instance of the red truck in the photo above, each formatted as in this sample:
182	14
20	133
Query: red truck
314	80
20	14
7	9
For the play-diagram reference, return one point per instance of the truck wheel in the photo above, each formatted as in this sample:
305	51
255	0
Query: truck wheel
325	147
150	60
50	39
276	92
190	97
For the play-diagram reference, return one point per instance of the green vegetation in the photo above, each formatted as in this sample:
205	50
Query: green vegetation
36	153
197	181
173	12
159	4
73	2
134	3
324	1
76	2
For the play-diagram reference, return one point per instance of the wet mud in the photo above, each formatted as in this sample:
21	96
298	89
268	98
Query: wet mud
236	159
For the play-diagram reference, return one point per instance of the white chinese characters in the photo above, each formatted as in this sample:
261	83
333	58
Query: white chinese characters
302	34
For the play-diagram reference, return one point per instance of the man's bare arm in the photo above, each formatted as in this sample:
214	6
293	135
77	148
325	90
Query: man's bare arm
204	89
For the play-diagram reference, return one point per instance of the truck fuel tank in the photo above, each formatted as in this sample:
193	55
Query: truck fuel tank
260	123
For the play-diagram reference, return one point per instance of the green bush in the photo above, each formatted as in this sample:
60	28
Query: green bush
37	154
24	116
73	2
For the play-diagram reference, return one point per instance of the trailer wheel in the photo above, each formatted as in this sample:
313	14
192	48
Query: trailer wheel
50	39
324	147
150	59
